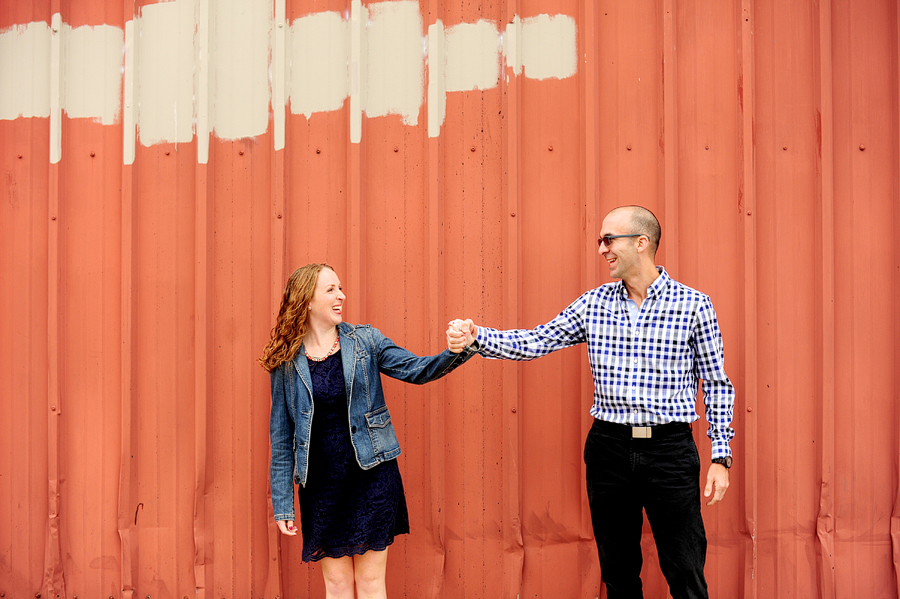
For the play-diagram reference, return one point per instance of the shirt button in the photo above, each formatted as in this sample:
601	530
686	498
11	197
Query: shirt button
635	360
635	410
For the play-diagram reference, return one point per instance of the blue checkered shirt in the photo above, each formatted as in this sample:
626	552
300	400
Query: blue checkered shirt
645	370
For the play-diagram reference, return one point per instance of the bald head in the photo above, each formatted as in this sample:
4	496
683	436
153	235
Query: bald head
644	222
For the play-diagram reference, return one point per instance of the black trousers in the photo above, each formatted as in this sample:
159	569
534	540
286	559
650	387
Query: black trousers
660	475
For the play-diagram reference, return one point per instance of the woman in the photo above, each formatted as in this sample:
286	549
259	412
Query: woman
351	496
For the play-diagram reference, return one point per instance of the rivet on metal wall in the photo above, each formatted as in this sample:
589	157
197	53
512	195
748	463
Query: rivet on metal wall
512	213
53	408
167	152
749	409
93	154
472	149
318	151
20	157
513	410
396	149
279	216
240	152
550	148
628	147
707	147
862	148
784	148
53	218
749	213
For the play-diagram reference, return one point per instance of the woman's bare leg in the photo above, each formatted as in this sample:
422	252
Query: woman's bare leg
369	571
338	573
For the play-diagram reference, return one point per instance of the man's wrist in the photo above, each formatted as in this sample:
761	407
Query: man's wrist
725	461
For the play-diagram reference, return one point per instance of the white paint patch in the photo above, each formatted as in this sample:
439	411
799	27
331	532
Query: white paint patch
472	56
358	15
549	47
202	65
511	46
239	67
437	85
24	69
164	72
320	58
128	124
279	74
92	81
201	108
394	66
56	74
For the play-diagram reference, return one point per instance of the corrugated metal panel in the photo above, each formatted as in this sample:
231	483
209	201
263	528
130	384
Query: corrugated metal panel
156	199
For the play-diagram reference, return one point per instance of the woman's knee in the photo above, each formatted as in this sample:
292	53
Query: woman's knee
339	577
369	571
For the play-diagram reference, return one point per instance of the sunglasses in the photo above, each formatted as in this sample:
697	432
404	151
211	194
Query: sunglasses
607	239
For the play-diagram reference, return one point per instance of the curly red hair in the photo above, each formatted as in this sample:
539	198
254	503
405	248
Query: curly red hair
291	325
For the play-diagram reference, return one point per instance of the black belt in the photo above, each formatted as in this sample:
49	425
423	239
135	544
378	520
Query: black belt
625	431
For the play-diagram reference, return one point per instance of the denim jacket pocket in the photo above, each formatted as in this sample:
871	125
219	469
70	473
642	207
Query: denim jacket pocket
381	431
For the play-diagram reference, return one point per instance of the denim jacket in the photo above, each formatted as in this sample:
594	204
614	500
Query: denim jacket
365	353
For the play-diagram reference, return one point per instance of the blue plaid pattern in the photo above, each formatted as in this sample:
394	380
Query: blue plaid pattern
645	372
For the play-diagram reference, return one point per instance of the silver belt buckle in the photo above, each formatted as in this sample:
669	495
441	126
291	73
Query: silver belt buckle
641	432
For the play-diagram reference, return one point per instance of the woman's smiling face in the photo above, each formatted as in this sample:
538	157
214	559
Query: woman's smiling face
327	303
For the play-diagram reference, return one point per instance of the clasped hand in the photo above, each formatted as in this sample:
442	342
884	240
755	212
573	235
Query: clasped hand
460	334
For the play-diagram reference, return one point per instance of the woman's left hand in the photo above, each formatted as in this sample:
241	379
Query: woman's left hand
287	527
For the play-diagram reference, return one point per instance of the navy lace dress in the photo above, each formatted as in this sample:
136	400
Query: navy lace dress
344	510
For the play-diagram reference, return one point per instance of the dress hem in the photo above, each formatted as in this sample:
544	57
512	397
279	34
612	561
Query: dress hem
336	553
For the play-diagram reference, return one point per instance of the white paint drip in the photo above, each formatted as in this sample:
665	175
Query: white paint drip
24	65
320	58
394	69
164	65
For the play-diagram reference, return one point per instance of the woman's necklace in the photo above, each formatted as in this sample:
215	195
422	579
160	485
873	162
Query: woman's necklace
330	351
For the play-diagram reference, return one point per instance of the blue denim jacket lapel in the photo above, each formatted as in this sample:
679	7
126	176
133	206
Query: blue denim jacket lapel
348	353
301	365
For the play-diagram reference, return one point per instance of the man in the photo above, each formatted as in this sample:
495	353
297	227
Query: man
650	340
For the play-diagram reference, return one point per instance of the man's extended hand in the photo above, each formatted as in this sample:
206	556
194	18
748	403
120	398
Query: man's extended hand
460	334
716	479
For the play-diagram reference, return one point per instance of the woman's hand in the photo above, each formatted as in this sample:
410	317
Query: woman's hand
287	527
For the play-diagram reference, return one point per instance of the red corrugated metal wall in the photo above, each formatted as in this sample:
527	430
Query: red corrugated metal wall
136	295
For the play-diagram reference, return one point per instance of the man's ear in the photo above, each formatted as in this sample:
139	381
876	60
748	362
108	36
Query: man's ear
642	244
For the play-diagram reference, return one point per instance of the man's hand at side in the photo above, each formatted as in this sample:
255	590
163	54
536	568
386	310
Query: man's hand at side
716	480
